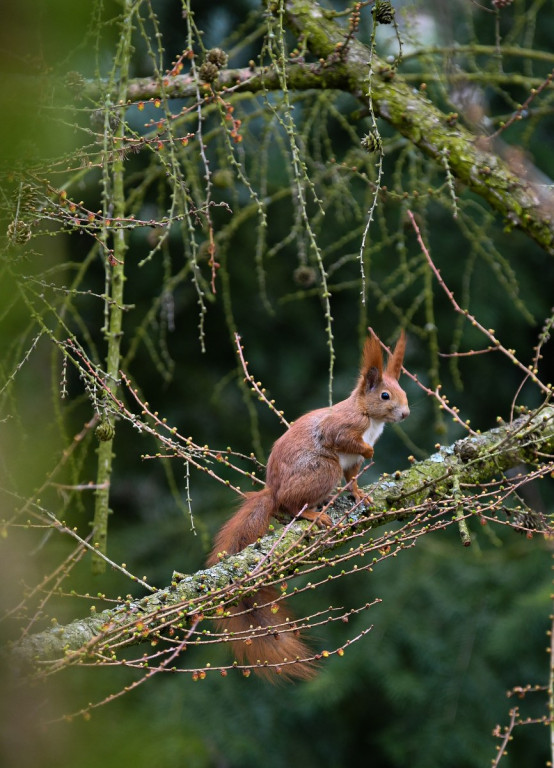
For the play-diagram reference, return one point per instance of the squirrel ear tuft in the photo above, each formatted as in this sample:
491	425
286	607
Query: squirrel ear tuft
394	366
372	356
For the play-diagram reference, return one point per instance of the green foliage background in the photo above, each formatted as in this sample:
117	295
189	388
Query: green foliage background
457	628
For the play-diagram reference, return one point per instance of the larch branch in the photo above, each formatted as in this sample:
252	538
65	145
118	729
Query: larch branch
470	462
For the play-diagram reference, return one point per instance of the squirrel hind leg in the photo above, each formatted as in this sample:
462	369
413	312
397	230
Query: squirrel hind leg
350	476
321	519
309	490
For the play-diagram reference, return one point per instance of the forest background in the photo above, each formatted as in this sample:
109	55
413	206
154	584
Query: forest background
156	200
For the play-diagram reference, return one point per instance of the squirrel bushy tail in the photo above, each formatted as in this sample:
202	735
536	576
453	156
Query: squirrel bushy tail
249	523
259	627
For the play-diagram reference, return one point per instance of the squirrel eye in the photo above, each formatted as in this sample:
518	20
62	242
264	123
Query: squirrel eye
385	396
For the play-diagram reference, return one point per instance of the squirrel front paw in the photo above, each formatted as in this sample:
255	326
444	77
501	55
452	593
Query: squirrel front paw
368	451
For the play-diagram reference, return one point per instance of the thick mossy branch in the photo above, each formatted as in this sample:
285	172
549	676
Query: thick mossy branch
415	117
471	461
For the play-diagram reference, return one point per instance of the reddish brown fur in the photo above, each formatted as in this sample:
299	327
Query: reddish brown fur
305	466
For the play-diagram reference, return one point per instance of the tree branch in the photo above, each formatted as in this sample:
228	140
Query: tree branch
414	116
300	77
420	489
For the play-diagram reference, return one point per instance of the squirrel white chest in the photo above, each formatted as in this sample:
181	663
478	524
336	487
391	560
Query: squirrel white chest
370	436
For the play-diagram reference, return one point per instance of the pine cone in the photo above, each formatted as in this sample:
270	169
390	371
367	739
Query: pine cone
217	56
104	431
19	232
305	276
371	142
208	72
384	12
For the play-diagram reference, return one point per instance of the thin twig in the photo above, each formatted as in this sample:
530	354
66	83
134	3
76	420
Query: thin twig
488	332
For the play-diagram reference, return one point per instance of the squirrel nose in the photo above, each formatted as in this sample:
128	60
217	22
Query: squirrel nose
404	413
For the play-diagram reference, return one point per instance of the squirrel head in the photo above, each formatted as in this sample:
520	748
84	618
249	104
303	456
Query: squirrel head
384	399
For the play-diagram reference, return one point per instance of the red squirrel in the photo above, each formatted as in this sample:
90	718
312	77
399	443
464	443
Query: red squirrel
304	468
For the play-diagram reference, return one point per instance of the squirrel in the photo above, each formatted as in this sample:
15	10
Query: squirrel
304	468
